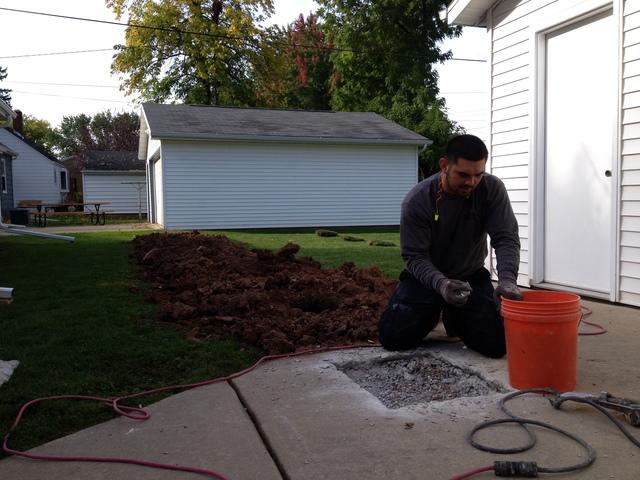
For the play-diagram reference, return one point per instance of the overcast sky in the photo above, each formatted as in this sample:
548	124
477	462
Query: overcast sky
51	86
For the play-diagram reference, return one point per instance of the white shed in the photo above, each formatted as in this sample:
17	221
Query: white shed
36	174
216	167
565	136
116	177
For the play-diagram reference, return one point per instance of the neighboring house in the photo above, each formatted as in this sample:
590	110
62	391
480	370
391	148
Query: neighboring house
74	165
6	156
37	175
6	180
115	177
565	136
6	114
217	167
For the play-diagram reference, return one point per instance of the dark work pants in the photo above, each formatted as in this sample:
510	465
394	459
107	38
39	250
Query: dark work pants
414	310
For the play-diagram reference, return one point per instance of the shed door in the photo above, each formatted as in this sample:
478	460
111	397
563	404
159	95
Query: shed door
581	88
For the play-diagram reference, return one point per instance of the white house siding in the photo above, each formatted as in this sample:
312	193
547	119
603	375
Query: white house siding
231	185
35	177
152	147
158	191
511	79
115	189
511	96
630	167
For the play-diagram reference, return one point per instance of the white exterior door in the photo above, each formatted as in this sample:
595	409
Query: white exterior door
580	110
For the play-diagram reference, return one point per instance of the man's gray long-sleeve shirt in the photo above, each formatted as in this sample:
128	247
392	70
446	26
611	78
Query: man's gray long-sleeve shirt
455	245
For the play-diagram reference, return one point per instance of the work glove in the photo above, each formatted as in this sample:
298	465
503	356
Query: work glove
506	289
454	292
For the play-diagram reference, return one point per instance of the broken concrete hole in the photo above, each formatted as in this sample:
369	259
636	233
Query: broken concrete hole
402	380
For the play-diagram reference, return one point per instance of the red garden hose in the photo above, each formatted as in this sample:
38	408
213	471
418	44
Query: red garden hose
140	414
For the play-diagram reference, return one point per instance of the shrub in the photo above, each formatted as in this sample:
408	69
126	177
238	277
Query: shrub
381	243
349	238
326	233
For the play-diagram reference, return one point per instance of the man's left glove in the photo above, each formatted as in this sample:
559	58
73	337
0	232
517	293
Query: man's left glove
506	289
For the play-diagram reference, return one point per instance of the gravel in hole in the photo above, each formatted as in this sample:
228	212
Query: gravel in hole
410	380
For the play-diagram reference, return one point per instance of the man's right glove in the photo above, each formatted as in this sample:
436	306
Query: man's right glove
506	289
454	292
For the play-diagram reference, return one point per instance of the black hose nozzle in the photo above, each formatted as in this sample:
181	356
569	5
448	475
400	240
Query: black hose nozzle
515	469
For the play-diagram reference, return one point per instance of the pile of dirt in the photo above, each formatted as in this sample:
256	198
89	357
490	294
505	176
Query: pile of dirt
214	287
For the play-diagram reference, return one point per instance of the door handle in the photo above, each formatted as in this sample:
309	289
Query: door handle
607	173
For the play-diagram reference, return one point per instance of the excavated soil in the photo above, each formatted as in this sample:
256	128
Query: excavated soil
213	287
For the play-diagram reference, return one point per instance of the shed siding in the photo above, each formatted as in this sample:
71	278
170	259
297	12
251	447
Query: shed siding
630	165
35	177
158	191
230	185
152	148
107	187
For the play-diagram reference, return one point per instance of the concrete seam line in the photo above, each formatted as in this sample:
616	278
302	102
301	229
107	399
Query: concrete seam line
260	430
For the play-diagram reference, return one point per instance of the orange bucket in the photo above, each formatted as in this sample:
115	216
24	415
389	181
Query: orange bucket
542	339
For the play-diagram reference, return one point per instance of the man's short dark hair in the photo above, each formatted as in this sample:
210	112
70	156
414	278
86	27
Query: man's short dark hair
468	147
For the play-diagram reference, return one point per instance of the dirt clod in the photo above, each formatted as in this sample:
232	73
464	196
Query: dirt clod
213	287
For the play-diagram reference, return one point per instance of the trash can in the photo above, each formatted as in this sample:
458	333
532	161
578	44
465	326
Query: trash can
19	216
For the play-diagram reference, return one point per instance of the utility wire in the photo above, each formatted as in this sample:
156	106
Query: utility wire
57	53
61	84
460	93
70	96
204	34
115	86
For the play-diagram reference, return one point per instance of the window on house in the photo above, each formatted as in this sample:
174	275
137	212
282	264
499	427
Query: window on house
55	177
63	180
3	176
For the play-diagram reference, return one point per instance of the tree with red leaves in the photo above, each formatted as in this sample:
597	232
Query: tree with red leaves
309	68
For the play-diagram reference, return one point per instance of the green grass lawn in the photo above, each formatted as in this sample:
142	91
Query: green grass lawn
332	251
79	324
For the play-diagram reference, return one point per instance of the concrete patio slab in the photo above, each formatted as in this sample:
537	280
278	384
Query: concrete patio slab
205	428
322	425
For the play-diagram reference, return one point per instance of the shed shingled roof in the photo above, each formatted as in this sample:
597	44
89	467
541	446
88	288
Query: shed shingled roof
230	123
113	160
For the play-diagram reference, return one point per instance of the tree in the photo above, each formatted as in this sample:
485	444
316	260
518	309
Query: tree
40	132
298	77
384	62
105	131
309	65
115	132
74	135
5	93
195	51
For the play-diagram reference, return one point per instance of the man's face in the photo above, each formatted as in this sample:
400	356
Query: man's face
461	178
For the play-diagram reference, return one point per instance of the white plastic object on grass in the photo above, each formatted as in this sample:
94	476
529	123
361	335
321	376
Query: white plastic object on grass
6	369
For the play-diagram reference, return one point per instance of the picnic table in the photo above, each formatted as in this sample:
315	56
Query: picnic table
42	209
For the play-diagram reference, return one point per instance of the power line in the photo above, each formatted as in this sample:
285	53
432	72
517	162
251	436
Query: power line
57	53
468	60
205	34
62	84
71	96
460	93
